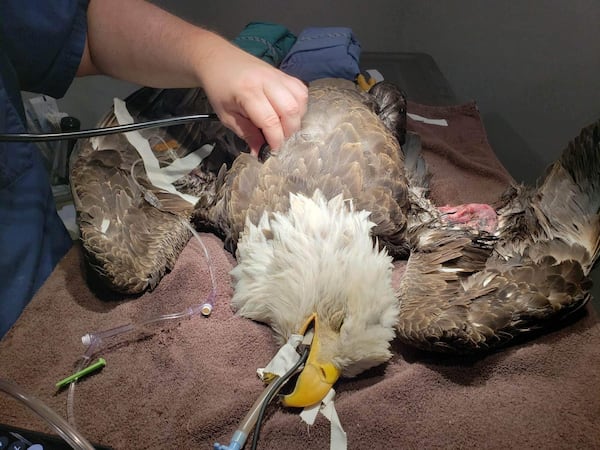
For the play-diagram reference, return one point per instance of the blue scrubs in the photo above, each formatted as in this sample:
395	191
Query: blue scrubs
41	43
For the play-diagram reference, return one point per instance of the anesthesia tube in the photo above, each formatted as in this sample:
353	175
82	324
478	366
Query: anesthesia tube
255	416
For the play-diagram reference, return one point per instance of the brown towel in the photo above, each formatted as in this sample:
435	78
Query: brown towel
188	383
459	155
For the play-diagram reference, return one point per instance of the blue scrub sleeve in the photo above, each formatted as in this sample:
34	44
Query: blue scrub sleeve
44	41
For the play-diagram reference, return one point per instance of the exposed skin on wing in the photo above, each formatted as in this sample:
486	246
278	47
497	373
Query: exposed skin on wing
472	215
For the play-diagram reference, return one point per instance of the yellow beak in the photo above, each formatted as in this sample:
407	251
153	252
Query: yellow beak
316	378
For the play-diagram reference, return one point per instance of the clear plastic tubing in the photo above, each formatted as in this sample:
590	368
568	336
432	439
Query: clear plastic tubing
92	340
62	427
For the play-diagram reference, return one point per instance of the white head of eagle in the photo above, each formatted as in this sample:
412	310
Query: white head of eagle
319	259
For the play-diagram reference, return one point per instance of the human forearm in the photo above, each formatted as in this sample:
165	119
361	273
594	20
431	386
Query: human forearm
137	41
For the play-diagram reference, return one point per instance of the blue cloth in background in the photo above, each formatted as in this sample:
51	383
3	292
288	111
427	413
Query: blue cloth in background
323	52
41	43
267	41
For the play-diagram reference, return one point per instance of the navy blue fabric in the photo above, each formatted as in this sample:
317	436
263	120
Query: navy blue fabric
322	53
41	43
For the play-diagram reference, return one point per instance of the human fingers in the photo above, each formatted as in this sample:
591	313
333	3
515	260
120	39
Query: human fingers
262	114
246	130
288	99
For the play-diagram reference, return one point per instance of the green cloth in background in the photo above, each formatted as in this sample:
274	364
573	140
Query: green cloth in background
268	41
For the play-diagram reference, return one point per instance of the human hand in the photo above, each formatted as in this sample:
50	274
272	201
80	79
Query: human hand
252	98
139	42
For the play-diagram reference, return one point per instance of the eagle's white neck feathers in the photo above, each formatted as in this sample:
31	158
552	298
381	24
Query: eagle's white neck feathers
319	256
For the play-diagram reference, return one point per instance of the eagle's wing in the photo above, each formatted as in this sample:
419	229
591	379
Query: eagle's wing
131	231
456	296
465	291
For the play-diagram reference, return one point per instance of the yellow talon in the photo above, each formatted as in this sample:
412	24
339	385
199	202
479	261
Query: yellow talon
365	84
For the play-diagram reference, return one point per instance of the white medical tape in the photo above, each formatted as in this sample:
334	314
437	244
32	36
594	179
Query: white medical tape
155	174
375	74
338	440
418	118
183	166
284	359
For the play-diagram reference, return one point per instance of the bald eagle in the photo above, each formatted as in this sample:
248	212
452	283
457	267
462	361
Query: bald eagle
316	226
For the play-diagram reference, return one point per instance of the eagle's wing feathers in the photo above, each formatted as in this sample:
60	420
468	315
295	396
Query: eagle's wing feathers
132	232
533	272
128	242
342	148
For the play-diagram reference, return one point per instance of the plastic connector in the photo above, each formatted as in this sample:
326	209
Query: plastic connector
237	442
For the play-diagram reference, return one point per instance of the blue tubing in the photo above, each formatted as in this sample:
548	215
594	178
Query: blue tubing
237	442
